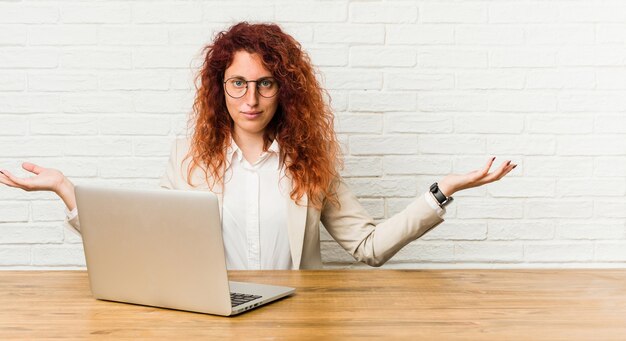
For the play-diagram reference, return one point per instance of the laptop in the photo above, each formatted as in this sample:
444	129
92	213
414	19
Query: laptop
162	248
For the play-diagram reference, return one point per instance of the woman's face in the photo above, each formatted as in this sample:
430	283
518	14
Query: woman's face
252	112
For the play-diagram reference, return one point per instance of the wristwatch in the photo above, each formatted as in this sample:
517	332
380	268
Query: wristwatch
442	200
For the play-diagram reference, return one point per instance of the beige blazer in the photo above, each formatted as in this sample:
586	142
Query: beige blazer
350	225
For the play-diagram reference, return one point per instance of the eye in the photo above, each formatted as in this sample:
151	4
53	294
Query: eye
266	83
238	83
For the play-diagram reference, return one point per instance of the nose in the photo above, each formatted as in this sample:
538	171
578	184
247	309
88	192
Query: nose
252	97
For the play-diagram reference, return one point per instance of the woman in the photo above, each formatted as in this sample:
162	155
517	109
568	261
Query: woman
263	140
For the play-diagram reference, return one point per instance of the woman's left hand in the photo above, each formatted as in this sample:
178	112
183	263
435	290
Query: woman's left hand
455	182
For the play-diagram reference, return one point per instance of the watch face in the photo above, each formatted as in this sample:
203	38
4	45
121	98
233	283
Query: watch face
433	187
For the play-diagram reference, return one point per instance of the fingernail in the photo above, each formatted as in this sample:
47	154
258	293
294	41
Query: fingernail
508	163
2	172
514	166
493	158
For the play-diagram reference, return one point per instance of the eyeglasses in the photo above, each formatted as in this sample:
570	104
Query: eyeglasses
237	87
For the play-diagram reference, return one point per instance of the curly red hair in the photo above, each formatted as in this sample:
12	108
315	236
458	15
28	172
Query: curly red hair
302	124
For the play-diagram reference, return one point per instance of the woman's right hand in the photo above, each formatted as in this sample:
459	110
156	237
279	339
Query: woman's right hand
45	179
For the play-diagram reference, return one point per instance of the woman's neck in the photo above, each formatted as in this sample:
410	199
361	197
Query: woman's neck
251	145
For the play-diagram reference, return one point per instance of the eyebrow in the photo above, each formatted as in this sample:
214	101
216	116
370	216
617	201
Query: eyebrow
242	77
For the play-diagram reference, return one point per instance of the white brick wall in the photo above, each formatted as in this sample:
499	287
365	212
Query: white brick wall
420	89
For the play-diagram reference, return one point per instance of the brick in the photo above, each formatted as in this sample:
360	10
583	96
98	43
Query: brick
609	166
523	57
234	11
596	230
590	55
136	125
521	145
604	187
359	123
611	78
312	12
591	101
56	82
96	13
374	187
609	251
408	165
418	123
159	102
63	125
14	125
382	101
520	230
362	166
453	13
12	35
96	103
615	208
14	255
488	252
71	167
488	35
482	208
61	255
455	57
377	56
418	81
425	252
558	79
588	12
12	81
591	145
558	167
452	101
457	144
97	146
490	79
27	103
136	80
14	212
489	124
325	56
558	209
611	33
30	146
63	35
357	80
133	35
193	34
131	168
522	188
18	13
458	230
420	34
560	34
96	59
559	124
379	145
558	252
165	57
37	58
151	146
30	234
522	101
47	210
523	12
352	34
391	13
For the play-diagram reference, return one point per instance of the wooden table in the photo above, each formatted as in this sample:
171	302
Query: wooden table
343	304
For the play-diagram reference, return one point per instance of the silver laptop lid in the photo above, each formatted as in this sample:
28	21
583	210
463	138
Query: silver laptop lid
154	247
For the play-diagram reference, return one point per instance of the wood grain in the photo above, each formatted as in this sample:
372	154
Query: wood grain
339	304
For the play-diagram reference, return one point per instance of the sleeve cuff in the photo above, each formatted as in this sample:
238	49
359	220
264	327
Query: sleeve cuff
432	202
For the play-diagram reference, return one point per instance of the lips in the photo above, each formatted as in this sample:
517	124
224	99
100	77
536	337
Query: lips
251	114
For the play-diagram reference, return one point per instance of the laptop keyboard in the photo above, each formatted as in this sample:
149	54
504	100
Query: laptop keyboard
237	298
